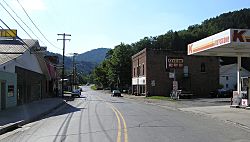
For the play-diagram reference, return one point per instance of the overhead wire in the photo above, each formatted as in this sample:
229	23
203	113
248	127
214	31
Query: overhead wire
36	26
15	20
24	43
18	36
23	21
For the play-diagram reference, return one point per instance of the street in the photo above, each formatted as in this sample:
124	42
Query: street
98	117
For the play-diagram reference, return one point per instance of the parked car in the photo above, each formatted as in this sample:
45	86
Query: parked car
76	93
222	93
116	93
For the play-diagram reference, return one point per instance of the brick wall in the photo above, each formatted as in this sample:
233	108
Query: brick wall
197	82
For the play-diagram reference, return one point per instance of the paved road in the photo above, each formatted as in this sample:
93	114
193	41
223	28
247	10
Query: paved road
102	118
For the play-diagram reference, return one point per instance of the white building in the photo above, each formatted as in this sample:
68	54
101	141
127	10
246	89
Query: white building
228	76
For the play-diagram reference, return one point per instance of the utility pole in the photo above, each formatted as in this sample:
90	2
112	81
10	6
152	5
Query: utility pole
74	70
63	39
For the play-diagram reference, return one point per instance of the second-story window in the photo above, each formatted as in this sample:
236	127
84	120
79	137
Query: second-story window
138	70
143	69
134	72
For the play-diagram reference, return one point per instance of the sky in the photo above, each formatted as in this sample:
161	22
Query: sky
106	23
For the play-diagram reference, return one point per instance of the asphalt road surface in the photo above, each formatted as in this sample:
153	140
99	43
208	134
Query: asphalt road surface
98	117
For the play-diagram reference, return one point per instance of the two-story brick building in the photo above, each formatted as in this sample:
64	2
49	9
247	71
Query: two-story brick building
153	74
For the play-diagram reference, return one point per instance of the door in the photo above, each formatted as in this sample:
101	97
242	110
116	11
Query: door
3	95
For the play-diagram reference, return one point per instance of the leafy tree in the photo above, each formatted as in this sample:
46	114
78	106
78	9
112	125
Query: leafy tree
116	68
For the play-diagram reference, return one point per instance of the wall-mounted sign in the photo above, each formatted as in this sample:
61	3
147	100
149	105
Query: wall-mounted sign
174	62
153	83
171	75
8	33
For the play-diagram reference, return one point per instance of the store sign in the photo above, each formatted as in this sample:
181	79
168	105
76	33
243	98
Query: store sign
8	33
39	49
174	62
241	36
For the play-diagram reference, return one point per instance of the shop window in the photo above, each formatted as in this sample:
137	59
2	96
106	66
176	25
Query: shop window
203	67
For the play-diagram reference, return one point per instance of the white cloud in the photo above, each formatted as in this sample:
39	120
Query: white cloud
30	5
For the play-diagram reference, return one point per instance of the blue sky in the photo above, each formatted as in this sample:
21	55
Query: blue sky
106	23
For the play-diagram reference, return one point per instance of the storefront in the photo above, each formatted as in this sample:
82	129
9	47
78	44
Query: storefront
8	85
228	43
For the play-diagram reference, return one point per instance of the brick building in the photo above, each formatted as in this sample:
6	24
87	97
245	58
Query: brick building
152	75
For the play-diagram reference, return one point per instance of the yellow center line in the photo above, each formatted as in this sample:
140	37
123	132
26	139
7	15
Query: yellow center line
118	139
118	115
124	125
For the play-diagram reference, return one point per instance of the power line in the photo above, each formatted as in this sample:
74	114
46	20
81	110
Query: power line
15	20
22	21
24	43
37	26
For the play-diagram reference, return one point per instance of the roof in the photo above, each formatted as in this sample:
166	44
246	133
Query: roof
229	43
11	49
225	69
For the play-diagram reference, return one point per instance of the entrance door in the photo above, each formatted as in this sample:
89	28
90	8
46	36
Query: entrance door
3	95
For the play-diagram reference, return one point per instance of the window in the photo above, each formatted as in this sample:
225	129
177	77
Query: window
226	85
143	69
203	67
226	77
134	72
138	70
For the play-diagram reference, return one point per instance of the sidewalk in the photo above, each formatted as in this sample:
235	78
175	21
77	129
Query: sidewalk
20	115
217	108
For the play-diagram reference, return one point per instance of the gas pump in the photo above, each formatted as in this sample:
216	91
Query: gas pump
245	95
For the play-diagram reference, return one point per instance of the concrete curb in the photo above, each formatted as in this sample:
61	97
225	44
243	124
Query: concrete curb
15	125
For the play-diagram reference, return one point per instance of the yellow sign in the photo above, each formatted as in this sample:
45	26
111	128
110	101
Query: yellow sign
8	33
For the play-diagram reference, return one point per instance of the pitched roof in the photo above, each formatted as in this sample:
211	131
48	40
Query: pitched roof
11	49
225	69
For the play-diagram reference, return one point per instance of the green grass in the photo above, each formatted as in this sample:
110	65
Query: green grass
93	87
159	98
66	92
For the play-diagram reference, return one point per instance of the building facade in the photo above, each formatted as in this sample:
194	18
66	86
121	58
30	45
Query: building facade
152	73
228	76
24	65
8	90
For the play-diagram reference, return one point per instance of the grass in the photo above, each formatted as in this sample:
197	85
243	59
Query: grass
66	92
159	98
93	87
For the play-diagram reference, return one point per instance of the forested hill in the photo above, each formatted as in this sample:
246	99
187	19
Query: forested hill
94	56
178	40
118	60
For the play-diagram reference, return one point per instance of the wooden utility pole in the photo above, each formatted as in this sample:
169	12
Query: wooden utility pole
63	39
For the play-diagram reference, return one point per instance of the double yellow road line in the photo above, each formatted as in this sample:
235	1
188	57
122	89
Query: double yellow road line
120	118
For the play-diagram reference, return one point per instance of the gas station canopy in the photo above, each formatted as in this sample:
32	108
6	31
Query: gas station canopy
230	43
